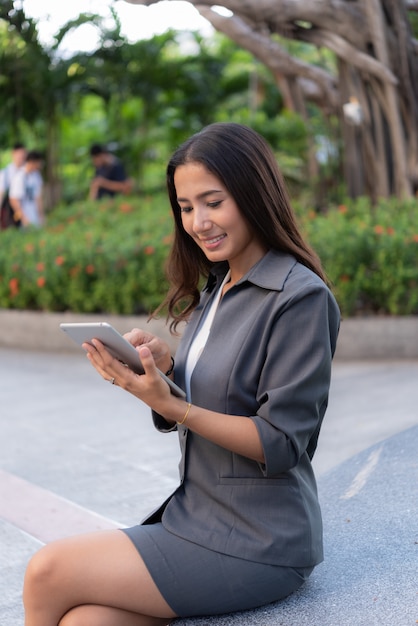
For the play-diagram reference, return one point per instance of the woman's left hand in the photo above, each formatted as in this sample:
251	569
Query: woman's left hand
148	387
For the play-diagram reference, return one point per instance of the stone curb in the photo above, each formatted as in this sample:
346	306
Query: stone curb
373	338
40	330
368	338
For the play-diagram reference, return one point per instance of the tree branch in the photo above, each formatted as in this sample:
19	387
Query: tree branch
270	53
347	52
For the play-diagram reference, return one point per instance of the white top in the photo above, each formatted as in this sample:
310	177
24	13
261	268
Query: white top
27	187
201	337
6	176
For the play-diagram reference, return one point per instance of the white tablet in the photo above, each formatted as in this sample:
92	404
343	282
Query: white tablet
84	332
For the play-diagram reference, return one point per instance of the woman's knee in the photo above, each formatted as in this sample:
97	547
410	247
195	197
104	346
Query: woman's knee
43	571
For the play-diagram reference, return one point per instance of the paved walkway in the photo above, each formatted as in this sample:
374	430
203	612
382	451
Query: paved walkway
77	454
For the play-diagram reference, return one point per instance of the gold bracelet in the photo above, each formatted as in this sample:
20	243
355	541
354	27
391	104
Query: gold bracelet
189	406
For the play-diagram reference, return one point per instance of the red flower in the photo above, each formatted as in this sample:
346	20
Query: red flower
125	207
342	208
14	287
390	230
59	260
41	281
90	269
40	267
148	250
379	230
415	238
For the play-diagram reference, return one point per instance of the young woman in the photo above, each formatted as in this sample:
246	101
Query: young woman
244	526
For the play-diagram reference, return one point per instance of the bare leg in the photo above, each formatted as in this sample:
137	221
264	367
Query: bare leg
97	579
94	615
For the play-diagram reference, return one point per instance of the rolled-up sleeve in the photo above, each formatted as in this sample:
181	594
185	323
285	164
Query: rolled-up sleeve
294	383
161	423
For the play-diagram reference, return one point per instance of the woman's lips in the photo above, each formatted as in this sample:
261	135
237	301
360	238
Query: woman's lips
212	242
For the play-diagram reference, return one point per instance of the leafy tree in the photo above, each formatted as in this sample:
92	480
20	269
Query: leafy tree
373	92
155	94
36	83
142	99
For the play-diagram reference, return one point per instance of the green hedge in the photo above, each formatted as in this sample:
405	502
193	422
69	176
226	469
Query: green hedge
109	257
90	257
370	255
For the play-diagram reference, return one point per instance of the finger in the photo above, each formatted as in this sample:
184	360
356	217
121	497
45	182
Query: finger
138	337
97	362
96	351
104	374
105	364
160	350
148	362
101	349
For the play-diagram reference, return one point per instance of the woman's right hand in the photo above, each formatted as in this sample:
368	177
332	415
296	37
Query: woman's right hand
159	349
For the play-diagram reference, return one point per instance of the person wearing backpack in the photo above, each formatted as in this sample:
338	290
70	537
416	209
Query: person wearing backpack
6	176
26	191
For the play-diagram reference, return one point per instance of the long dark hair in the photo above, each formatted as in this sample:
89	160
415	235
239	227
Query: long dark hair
244	162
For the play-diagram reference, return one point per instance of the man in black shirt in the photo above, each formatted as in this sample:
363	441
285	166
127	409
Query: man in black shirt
110	177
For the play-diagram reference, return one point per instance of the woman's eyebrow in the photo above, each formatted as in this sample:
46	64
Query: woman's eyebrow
202	195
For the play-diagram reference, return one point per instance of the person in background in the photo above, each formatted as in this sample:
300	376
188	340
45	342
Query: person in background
26	191
110	176
6	176
244	526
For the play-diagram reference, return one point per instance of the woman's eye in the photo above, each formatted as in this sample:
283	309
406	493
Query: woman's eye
185	209
214	204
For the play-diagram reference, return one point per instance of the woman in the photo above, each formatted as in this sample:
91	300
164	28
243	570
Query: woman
244	526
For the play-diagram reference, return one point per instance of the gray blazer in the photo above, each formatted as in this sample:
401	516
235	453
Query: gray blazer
268	356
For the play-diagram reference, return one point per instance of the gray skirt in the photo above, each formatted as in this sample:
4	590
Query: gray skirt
197	581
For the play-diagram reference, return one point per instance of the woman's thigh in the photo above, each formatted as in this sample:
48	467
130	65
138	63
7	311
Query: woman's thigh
102	568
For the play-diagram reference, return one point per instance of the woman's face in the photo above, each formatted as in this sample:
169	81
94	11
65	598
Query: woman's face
211	217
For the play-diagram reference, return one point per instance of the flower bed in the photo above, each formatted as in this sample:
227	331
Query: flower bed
93	257
109	257
370	255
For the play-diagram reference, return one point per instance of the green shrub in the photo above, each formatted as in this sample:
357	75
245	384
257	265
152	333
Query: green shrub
110	256
370	254
90	257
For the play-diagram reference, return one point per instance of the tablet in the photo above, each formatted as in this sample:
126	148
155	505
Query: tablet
117	346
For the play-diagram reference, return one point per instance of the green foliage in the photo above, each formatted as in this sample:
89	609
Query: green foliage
109	257
141	98
91	257
370	254
36	82
413	20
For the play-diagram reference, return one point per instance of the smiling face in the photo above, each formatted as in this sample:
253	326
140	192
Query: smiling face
212	218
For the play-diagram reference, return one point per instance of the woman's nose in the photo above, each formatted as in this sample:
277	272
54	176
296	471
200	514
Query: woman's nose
201	221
